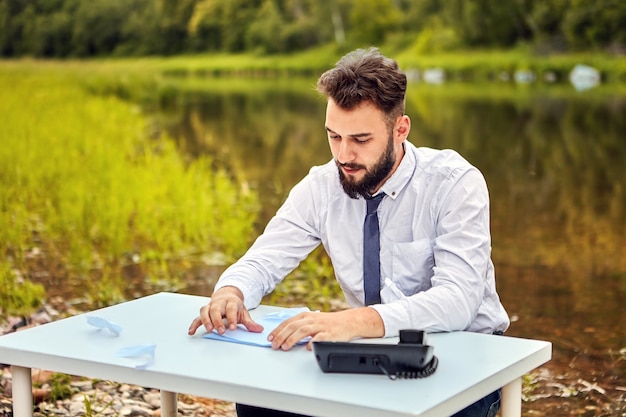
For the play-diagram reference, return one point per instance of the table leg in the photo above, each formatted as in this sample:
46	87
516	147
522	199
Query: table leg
512	399
22	391
169	406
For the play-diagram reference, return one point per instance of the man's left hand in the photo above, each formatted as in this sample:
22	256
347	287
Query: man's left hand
341	326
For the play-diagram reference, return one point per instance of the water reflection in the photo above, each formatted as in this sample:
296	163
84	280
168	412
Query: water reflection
554	162
267	137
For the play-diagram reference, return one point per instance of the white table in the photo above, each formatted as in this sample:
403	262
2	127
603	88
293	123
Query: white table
470	365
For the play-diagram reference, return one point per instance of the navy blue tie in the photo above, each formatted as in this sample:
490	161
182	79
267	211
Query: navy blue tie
371	251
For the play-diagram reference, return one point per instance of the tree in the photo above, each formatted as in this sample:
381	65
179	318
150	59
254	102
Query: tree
52	35
486	22
267	31
61	28
205	26
595	24
371	20
174	16
97	26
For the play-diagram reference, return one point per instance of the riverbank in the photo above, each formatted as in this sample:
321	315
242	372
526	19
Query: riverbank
468	66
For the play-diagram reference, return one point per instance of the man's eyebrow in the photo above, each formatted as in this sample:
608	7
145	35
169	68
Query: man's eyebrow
354	135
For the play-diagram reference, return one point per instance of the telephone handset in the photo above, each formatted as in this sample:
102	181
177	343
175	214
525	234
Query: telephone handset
410	358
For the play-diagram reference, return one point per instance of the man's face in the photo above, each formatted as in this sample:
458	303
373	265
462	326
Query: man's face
365	150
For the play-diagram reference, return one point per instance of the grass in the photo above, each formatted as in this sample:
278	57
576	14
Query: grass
88	192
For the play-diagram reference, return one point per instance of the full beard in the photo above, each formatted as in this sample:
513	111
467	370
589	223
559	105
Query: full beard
373	176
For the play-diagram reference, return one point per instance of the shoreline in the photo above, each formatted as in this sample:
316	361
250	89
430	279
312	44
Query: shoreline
464	65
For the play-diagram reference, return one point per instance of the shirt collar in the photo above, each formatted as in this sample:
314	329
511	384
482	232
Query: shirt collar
403	174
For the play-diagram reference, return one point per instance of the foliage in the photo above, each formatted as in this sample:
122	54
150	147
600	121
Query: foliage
18	296
97	405
312	284
88	194
85	28
59	386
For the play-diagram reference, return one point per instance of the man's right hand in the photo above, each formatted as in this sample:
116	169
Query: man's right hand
226	303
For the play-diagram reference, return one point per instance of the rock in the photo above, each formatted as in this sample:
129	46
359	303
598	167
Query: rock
153	399
84	385
77	408
136	411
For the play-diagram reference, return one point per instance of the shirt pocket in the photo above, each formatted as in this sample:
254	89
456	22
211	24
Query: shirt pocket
412	264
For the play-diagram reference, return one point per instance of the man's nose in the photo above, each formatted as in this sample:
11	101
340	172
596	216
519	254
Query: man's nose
345	152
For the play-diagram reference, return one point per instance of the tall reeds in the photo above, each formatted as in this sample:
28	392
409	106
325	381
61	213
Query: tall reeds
85	192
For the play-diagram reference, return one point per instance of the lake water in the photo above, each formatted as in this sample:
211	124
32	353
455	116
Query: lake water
554	160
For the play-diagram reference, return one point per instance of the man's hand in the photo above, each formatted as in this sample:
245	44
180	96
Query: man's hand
341	326
226	303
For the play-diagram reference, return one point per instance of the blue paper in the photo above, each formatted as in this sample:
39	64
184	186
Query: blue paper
269	322
102	323
146	352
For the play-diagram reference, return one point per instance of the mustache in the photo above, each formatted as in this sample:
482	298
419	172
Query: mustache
349	165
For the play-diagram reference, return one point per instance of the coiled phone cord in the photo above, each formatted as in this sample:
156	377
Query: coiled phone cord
428	370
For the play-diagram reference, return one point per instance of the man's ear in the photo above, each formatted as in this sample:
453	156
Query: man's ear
403	127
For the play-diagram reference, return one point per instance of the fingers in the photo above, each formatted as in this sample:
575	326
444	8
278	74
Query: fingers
224	313
215	313
197	322
226	303
291	331
250	324
232	314
320	337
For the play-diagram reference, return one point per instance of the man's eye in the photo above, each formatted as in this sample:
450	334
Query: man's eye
335	137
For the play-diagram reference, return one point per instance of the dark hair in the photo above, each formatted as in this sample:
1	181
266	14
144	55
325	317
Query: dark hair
366	75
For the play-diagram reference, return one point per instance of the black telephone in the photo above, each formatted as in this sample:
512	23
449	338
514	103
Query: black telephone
410	358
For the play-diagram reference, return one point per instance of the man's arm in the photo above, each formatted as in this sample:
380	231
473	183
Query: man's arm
288	238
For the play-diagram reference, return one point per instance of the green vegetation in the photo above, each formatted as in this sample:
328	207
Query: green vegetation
91	195
18	296
97	405
87	28
312	284
468	65
163	79
59	386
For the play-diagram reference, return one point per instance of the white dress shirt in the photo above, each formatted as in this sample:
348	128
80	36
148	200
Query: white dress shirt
435	260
